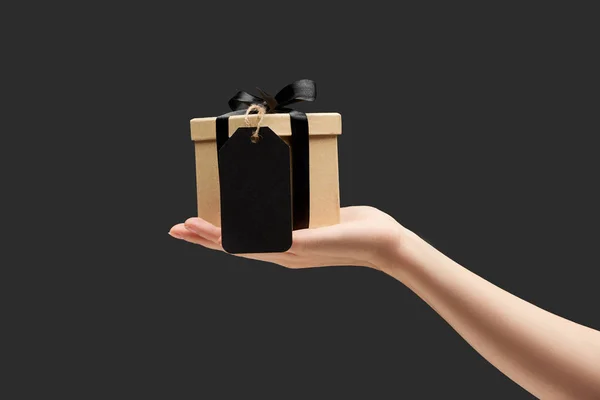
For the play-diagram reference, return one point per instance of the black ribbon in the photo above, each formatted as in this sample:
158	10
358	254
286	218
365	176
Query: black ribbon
302	90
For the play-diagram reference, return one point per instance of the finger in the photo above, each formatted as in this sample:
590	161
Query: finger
178	231
354	213
181	232
306	241
203	228
349	213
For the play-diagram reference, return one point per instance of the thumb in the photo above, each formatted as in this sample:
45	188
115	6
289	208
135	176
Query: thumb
326	240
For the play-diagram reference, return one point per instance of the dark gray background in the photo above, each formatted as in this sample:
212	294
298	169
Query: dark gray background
473	127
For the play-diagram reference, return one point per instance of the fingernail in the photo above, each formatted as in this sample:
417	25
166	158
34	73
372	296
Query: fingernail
175	235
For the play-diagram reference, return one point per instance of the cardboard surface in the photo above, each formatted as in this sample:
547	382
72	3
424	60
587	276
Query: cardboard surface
318	124
324	178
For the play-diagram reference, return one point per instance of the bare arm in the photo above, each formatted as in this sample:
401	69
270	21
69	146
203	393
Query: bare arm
551	357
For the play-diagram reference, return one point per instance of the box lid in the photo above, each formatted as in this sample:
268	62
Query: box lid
318	124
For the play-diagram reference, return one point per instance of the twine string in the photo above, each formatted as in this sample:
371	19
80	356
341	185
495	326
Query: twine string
261	113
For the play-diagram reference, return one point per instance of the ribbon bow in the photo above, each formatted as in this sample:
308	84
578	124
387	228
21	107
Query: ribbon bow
302	90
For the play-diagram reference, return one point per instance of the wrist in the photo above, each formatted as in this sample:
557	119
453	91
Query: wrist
401	253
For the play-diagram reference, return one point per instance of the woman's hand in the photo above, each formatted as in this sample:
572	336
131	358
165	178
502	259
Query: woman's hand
363	236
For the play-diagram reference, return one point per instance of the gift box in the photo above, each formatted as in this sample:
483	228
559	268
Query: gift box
313	161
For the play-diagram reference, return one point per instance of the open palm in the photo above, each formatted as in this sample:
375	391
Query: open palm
363	234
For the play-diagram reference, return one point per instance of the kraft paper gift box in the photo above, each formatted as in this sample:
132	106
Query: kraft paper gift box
323	201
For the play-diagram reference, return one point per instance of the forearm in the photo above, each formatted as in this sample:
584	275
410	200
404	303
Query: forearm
549	356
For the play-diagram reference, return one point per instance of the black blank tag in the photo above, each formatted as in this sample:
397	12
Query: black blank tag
256	202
